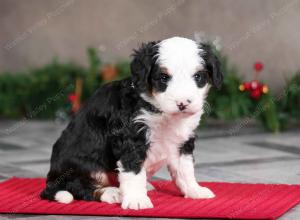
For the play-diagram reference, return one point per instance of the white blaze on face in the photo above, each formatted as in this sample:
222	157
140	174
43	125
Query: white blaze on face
181	58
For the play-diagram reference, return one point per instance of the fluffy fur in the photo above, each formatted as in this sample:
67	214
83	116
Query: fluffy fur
134	126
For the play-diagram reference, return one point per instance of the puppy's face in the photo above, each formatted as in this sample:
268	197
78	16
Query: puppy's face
175	74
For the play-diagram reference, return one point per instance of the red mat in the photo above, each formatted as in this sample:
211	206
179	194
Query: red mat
233	200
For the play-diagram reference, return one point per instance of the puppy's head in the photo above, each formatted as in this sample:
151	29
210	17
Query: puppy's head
175	74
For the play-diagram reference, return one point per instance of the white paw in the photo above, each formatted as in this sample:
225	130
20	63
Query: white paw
111	195
64	197
136	202
199	192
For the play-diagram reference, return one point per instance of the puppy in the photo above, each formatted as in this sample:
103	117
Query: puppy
134	126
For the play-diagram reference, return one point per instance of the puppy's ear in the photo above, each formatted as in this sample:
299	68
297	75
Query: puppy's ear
212	65
143	61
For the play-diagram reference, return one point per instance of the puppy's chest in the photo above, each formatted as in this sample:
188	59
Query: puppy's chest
166	136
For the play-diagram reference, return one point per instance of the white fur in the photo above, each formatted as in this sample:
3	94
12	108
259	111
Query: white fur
181	59
133	190
182	172
111	195
169	130
167	133
64	197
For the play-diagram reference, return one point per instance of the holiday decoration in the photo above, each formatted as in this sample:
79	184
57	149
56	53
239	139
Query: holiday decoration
290	98
74	98
254	87
109	72
258	66
24	94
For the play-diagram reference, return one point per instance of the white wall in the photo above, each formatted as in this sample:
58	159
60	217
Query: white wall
32	32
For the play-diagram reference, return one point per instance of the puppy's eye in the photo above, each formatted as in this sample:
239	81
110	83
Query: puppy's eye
197	76
200	78
164	78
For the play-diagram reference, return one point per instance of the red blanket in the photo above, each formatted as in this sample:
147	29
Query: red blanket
233	200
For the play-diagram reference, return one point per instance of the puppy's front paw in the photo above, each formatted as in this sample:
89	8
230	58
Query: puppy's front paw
199	192
136	202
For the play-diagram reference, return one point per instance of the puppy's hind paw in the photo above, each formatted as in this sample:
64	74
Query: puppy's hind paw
199	193
110	195
64	197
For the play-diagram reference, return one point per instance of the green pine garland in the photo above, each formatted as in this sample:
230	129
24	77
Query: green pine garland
41	92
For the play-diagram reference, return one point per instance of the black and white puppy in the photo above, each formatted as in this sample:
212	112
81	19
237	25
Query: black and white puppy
134	126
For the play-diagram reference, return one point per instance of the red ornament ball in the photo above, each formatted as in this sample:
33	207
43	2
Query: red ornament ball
255	94
72	97
247	85
254	84
258	66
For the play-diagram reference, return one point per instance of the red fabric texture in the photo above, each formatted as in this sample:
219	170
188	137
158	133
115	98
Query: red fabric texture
233	200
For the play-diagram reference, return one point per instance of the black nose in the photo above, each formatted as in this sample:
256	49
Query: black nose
181	106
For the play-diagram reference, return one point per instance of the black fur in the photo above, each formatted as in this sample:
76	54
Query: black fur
142	65
102	132
212	65
188	146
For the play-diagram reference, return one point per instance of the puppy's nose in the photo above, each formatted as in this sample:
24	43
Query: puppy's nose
182	105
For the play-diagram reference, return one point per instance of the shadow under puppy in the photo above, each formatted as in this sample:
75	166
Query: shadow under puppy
134	126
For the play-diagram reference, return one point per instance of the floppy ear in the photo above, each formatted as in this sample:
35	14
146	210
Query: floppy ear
143	61
212	65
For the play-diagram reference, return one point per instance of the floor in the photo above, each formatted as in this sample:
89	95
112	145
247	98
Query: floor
237	152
